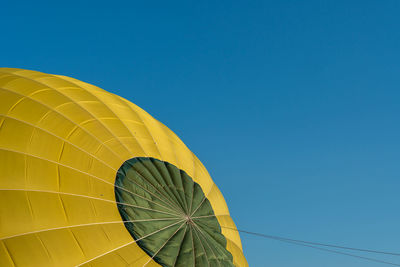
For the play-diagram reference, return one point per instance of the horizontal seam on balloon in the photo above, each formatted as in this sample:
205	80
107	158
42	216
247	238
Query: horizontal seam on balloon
49	75
98	178
102	102
59	137
84	196
73	122
87	224
86	90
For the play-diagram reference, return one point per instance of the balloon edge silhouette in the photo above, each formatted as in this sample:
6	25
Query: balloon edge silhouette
62	142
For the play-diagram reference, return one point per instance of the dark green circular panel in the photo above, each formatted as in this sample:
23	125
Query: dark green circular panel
168	215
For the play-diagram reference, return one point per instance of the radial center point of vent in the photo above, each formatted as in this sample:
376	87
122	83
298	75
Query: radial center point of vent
188	219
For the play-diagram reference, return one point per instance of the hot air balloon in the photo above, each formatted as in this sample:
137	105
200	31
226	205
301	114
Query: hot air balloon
87	178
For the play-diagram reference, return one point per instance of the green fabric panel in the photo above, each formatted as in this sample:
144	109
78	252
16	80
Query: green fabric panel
168	215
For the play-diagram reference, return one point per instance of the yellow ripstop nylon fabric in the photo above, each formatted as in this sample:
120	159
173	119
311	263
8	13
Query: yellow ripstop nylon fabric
61	144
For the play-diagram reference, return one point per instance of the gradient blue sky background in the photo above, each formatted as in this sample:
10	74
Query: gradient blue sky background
293	106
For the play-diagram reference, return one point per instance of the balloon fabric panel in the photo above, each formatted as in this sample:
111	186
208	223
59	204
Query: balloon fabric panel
66	149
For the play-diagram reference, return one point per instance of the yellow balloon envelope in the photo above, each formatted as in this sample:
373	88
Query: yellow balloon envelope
89	179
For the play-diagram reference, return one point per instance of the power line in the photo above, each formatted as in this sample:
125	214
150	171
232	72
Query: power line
315	245
343	253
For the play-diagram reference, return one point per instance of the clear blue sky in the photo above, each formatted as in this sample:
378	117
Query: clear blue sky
293	106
